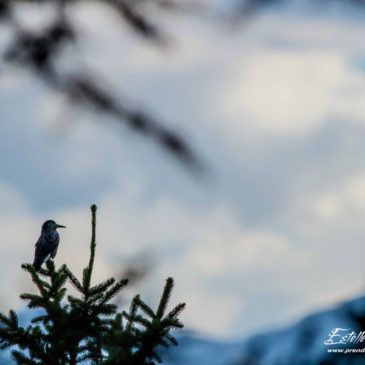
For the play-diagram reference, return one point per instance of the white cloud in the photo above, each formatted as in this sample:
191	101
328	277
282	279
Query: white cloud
12	201
286	91
341	202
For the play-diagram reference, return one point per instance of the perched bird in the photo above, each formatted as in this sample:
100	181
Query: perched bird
47	243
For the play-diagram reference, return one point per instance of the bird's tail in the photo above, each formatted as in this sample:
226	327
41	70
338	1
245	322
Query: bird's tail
37	265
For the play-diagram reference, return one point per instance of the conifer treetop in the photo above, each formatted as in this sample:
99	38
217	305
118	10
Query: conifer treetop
68	330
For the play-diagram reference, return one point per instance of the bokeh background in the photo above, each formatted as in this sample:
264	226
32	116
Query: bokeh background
274	107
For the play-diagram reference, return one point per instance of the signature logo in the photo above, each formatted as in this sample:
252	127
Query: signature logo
344	336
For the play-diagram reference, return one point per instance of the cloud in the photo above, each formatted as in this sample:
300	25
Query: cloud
340	206
286	91
11	201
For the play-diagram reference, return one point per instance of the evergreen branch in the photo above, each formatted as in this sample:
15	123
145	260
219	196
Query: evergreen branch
117	323
94	298
139	319
132	312
84	356
114	290
12	335
44	272
86	275
34	299
176	311
89	269
146	308
13	318
101	287
58	280
47	285
106	309
60	295
22	359
40	318
11	321
172	339
157	357
164	343
171	323
39	283
72	278
51	267
165	298
77	303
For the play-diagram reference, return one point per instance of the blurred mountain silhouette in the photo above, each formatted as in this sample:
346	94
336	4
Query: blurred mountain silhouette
299	344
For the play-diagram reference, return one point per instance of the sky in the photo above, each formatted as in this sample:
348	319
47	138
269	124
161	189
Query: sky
275	110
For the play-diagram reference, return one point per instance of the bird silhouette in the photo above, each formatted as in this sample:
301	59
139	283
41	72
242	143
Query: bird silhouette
47	244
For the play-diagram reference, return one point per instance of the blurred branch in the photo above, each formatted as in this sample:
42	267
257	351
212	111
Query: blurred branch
38	51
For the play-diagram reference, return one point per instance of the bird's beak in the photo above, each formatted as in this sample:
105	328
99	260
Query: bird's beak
60	226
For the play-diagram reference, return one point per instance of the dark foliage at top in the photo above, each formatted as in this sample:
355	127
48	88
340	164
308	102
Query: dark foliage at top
38	51
87	327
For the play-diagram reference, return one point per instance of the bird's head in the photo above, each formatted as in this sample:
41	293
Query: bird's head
50	225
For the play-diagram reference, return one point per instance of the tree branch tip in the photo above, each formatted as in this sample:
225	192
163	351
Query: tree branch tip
28	267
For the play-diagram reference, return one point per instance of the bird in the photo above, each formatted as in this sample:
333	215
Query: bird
47	244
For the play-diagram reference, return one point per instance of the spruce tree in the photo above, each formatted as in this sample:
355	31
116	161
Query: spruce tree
88	327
